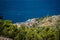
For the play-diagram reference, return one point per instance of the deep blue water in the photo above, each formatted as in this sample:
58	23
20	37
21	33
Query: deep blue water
21	10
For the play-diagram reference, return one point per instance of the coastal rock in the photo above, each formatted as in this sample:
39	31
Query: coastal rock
46	21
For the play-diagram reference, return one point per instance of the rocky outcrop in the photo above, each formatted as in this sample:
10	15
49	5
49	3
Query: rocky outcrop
27	23
38	22
3	38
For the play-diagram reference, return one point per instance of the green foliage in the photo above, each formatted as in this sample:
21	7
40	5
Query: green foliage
7	29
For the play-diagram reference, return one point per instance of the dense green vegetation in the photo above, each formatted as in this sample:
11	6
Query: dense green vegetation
7	29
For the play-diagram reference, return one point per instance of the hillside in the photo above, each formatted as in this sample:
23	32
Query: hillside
41	22
50	21
46	28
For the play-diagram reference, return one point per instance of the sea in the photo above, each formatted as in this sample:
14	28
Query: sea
22	10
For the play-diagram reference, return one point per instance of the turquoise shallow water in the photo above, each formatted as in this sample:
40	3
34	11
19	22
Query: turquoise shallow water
21	10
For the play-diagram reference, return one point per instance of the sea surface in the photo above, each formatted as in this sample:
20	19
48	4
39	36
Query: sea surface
22	10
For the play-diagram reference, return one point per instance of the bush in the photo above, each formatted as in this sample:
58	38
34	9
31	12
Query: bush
24	33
